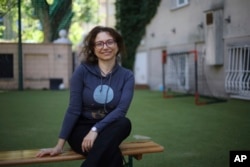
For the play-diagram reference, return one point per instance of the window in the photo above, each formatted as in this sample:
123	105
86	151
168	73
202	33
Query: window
177	71
238	72
6	66
209	18
179	3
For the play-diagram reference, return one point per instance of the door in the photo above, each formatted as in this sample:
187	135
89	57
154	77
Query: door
141	66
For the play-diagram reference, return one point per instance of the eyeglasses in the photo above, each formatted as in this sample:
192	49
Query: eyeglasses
108	43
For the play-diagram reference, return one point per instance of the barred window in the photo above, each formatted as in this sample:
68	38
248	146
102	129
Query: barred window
238	71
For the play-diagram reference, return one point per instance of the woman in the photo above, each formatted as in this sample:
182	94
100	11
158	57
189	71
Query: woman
100	94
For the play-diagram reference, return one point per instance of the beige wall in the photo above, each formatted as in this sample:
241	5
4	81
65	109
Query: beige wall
41	64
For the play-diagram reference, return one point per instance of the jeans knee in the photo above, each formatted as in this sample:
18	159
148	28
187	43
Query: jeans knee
125	124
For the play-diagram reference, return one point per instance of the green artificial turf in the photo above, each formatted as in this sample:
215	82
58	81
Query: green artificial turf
193	136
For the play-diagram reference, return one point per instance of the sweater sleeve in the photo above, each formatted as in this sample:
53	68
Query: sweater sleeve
123	105
75	103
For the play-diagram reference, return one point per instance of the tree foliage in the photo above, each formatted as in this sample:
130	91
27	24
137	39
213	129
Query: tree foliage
86	11
6	5
132	18
85	14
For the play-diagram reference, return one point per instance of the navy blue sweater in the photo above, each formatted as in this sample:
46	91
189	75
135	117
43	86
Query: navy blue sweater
97	99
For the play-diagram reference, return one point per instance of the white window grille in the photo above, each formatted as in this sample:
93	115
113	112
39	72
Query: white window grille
178	3
238	72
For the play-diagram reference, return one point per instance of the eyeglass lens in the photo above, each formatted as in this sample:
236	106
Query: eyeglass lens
108	43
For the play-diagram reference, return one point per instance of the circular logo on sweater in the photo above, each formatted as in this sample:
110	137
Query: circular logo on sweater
103	94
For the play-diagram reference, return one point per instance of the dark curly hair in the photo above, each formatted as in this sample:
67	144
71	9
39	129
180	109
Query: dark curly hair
89	43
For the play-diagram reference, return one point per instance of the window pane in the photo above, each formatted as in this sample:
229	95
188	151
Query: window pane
181	2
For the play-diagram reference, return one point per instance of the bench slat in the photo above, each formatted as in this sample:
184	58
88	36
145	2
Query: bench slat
21	157
135	148
28	157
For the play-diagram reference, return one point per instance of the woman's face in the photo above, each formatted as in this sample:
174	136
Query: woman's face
105	47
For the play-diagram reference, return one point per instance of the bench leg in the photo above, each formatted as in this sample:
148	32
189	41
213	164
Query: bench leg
129	163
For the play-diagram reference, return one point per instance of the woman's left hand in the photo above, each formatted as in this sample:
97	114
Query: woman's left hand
88	141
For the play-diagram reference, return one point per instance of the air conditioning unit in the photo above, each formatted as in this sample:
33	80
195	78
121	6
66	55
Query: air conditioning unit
214	37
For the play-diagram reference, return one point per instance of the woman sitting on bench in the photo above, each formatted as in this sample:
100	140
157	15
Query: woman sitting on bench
100	94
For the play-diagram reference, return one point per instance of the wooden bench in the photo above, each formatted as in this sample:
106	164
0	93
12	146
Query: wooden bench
134	149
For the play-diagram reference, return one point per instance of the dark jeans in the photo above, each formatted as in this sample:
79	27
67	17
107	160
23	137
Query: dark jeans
105	151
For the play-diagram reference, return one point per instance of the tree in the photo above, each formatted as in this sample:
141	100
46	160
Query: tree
132	18
43	19
53	17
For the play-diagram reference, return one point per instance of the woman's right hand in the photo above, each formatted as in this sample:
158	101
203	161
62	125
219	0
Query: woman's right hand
49	151
58	149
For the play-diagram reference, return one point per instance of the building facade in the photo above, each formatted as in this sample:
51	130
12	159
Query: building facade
217	30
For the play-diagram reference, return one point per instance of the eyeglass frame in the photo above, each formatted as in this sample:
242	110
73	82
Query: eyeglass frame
105	43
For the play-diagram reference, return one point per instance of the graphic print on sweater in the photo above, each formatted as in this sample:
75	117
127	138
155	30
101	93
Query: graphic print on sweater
103	94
